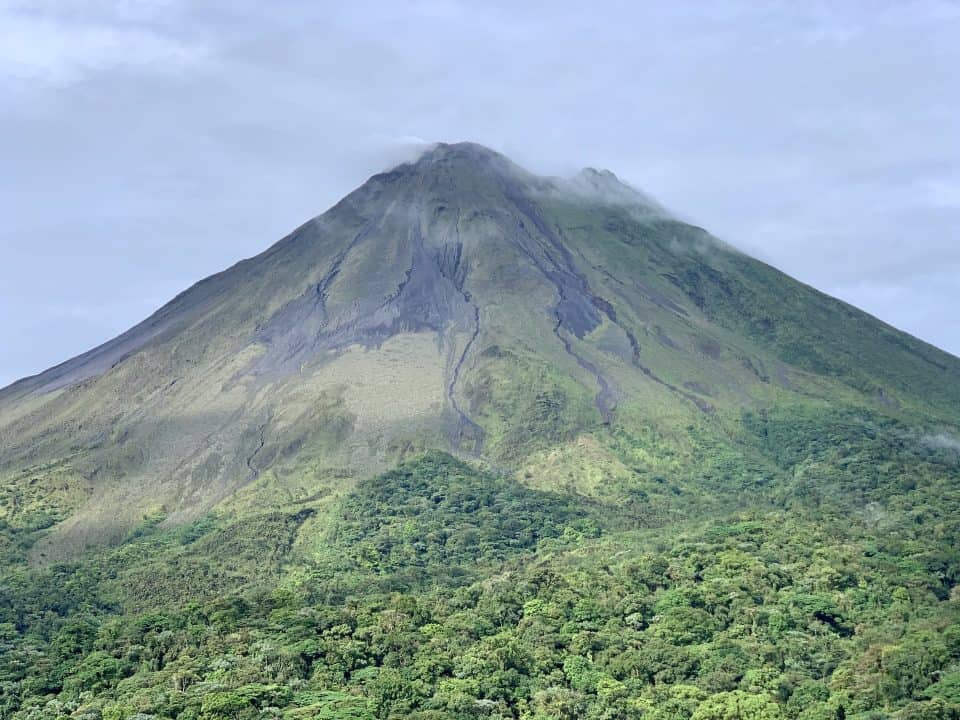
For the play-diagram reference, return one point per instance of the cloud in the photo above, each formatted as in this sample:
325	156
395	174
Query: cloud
942	441
62	46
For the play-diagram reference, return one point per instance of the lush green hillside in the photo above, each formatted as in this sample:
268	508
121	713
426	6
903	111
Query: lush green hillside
477	443
438	591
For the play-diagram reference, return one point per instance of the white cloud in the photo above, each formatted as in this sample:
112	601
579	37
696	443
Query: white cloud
942	441
940	192
57	47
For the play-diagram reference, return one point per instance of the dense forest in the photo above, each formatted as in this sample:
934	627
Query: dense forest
813	577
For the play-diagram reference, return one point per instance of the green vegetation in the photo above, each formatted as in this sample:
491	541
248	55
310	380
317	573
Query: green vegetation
440	591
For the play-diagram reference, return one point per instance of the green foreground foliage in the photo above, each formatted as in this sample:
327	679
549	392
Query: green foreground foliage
822	586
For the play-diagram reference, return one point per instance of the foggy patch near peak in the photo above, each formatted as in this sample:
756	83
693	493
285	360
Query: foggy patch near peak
603	186
598	187
400	150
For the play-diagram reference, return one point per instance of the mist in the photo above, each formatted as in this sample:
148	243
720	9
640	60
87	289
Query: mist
942	441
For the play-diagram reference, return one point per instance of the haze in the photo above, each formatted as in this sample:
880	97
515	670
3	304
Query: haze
146	145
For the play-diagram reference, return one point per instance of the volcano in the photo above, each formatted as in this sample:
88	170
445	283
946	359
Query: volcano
476	443
461	303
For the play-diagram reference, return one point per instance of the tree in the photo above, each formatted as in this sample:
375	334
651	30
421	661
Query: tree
738	705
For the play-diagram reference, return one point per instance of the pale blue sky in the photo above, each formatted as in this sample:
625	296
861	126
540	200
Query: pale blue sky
148	144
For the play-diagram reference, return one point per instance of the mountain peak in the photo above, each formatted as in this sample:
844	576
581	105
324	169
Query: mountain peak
458	160
473	167
465	150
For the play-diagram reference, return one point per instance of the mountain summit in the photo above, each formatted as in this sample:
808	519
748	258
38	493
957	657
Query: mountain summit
568	331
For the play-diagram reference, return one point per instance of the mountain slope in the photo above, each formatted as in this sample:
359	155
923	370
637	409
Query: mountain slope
457	302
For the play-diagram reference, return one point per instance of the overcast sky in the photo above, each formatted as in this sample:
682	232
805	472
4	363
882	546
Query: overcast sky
145	145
